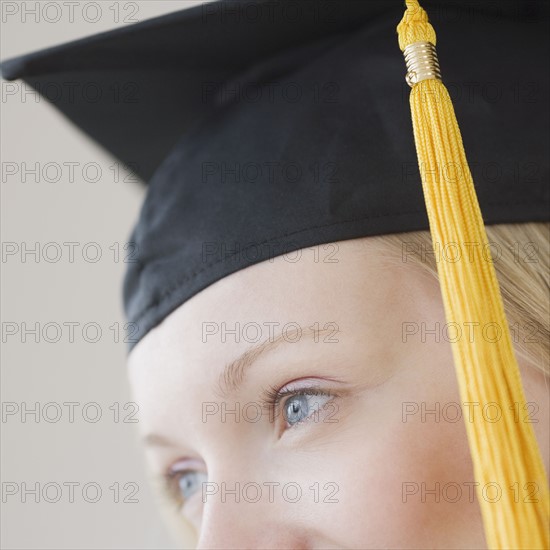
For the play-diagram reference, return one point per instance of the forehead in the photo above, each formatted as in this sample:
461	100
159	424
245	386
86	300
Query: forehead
354	294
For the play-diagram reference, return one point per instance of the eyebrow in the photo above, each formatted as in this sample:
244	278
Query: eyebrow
234	373
157	440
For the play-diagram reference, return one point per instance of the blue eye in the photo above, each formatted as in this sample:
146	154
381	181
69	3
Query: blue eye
189	482
302	406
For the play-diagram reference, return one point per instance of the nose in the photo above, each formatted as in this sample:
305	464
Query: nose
236	521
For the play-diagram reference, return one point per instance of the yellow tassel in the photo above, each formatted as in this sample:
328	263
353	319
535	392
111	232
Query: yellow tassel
512	487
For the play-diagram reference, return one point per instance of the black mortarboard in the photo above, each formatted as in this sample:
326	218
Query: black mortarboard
266	127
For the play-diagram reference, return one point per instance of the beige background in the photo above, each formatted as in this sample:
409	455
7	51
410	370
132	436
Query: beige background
35	290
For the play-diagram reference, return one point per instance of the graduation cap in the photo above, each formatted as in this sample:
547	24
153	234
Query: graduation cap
265	127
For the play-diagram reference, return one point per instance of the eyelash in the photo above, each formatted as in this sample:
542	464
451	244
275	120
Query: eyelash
272	398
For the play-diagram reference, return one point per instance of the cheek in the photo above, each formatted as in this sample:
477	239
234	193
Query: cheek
400	475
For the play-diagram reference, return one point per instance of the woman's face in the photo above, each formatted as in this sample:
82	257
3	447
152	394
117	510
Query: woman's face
311	402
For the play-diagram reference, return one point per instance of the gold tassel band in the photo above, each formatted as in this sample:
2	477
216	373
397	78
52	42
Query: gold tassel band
422	63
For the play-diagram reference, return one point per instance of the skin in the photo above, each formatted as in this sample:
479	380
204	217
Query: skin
362	443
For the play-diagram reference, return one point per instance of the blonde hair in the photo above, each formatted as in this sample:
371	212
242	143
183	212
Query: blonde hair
520	253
